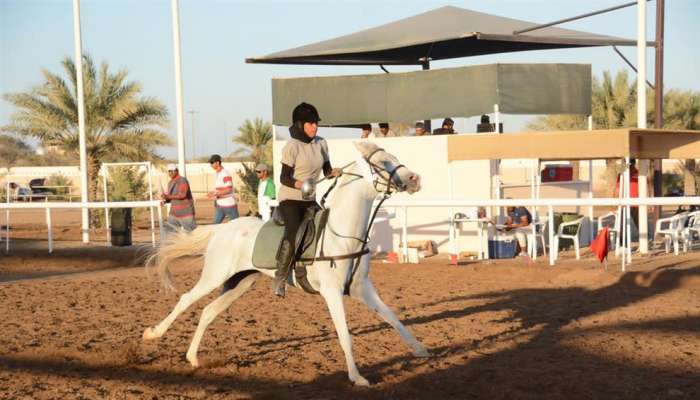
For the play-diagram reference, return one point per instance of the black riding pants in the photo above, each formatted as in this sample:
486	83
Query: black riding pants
293	212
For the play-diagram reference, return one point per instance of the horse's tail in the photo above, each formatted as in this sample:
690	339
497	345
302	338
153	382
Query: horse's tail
178	245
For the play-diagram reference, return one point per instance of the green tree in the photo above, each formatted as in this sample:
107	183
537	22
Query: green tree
614	105
120	124
14	151
255	137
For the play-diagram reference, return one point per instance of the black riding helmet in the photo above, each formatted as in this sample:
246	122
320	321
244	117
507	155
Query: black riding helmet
305	112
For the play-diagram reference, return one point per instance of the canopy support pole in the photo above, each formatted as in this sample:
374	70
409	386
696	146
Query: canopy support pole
590	188
425	63
643	221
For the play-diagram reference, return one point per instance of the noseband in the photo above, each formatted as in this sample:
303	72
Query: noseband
390	181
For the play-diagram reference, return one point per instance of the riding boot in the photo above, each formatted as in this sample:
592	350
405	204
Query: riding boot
284	265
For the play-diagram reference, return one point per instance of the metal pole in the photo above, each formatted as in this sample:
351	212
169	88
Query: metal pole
550	217
642	221
7	219
426	66
658	97
106	201
561	21
590	187
178	88
81	119
404	234
150	197
48	226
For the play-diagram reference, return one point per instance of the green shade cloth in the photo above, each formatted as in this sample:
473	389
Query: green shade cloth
450	92
443	33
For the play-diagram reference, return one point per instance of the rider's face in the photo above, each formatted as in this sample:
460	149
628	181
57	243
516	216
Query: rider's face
310	128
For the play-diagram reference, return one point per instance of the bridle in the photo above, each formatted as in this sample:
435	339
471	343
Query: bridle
392	181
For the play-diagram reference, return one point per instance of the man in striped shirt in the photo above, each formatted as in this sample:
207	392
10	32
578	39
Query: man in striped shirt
224	195
181	203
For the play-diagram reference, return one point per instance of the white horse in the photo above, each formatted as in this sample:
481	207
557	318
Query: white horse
229	251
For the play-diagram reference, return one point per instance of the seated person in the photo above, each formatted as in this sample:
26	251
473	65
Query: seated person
485	125
518	221
366	131
447	128
384	130
420	129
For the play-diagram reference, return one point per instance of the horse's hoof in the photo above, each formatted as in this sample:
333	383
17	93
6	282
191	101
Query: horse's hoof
422	352
148	334
360	381
193	361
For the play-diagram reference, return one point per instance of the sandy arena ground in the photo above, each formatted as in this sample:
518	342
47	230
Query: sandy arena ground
72	322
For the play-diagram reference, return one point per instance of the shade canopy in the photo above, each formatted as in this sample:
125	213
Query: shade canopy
449	92
577	145
443	33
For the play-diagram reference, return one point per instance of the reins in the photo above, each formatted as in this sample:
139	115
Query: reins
357	256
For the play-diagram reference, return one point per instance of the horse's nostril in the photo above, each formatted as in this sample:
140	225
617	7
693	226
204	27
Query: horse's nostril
413	177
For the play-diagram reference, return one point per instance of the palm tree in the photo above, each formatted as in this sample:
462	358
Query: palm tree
613	106
256	139
14	151
120	125
682	111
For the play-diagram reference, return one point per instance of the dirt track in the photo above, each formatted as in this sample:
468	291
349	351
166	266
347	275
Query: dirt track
496	330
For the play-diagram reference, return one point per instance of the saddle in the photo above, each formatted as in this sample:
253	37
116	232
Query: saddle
269	239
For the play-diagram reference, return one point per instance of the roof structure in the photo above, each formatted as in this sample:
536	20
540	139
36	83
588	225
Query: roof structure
443	33
577	145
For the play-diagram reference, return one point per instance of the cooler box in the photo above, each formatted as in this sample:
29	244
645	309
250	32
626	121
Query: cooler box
557	173
502	247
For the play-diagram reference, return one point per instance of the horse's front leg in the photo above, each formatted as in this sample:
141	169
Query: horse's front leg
334	300
366	292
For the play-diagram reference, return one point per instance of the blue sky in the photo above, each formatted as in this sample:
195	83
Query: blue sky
218	35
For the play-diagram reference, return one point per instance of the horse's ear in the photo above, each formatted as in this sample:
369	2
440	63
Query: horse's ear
365	147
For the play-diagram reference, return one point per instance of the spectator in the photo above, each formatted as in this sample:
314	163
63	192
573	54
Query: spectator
366	131
224	195
384	130
447	128
420	129
485	125
181	203
518	221
266	191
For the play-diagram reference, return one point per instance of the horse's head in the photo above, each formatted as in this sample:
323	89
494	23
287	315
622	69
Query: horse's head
391	174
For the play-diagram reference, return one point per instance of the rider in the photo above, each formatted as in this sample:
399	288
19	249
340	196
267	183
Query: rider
303	158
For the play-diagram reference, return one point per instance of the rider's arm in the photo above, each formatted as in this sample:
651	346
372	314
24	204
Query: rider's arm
287	177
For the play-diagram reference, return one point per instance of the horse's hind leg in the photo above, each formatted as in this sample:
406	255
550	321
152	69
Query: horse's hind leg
368	294
241	282
201	289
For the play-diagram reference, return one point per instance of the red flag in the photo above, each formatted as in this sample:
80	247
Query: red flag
599	246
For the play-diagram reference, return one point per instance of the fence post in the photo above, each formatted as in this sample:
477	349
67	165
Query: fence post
550	217
48	226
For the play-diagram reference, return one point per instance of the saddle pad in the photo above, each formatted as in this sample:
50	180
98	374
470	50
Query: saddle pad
266	245
269	238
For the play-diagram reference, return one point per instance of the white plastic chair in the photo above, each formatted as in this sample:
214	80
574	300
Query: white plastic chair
561	235
611	221
540	226
671	228
691	230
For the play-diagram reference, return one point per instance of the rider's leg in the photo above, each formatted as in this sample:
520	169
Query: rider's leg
291	214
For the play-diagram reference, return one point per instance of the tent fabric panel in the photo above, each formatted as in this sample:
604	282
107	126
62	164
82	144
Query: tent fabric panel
341	100
544	88
449	92
562	145
446	32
